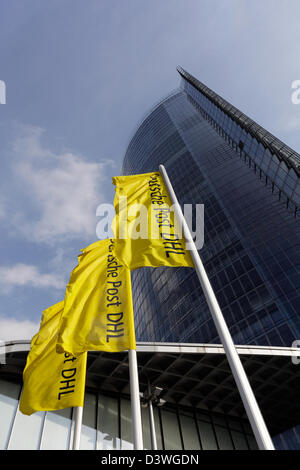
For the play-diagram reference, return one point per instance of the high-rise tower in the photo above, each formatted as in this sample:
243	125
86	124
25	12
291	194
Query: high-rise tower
248	181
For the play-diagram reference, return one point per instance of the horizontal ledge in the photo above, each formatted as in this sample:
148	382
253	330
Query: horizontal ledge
179	348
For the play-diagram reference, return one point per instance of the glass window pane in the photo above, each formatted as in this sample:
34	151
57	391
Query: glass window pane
252	443
88	429
223	438
9	394
207	436
146	429
189	432
126	426
57	430
27	431
108	423
170	430
239	440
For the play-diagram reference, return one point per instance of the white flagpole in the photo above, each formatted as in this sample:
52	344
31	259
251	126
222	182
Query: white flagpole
152	426
258	425
135	401
77	427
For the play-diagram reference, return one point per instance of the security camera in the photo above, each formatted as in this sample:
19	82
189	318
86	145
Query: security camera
157	392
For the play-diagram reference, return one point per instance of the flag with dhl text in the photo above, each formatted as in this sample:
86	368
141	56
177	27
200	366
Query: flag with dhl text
52	381
145	227
98	311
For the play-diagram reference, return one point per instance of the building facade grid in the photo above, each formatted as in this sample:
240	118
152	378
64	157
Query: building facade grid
252	233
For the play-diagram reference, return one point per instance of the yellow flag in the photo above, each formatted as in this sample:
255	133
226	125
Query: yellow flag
51	381
98	311
145	227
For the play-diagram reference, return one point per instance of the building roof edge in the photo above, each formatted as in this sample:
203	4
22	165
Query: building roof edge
276	146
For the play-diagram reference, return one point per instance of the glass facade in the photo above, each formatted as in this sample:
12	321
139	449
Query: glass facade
106	425
248	182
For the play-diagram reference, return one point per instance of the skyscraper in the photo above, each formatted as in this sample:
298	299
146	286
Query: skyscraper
248	181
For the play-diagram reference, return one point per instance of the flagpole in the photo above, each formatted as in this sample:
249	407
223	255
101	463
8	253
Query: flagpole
151	421
77	427
258	425
135	401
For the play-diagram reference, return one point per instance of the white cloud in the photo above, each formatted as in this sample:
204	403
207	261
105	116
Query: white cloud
13	329
28	275
61	190
28	142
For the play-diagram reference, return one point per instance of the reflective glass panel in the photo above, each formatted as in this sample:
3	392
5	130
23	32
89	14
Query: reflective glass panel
57	430
9	394
88	430
108	423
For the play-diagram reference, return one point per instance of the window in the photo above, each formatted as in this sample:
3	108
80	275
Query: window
9	394
108	424
170	430
57	430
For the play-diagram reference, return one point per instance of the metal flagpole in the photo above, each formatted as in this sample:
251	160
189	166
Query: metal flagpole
135	401
77	427
258	425
152	426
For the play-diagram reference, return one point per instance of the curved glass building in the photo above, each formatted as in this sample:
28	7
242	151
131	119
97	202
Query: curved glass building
248	181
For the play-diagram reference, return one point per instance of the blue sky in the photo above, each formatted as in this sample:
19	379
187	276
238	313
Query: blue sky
80	75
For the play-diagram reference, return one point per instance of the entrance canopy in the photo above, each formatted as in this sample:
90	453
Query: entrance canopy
192	375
